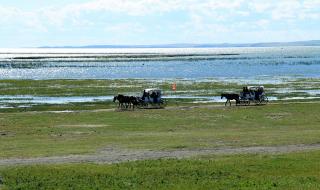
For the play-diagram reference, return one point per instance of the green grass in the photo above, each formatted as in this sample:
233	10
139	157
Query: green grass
135	86
101	87
64	88
293	171
29	134
25	133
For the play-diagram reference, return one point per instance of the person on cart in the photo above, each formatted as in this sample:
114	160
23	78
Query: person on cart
245	91
154	96
144	95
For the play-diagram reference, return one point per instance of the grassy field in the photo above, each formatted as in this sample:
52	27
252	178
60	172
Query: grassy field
289	171
29	134
36	132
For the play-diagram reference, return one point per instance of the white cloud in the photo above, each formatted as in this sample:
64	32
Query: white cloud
243	13
25	19
130	7
287	10
8	13
205	16
259	6
73	13
311	4
125	28
263	23
140	7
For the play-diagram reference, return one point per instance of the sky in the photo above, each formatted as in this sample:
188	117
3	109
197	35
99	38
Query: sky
36	23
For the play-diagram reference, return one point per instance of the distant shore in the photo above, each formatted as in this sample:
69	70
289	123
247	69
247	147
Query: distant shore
201	45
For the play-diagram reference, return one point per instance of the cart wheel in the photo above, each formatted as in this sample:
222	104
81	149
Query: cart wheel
264	100
163	103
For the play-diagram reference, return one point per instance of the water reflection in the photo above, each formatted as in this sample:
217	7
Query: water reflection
159	63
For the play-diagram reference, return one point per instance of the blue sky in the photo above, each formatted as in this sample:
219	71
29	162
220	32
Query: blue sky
35	23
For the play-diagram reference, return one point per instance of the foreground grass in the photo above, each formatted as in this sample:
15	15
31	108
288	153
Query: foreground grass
30	134
289	171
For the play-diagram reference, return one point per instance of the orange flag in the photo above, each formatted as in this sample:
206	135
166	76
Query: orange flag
174	86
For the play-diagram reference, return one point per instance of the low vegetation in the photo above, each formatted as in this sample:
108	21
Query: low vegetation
209	87
40	131
30	134
289	171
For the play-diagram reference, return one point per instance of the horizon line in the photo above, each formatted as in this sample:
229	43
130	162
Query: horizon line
186	44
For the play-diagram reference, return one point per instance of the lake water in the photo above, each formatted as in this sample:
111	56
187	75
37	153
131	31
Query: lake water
170	63
28	100
241	65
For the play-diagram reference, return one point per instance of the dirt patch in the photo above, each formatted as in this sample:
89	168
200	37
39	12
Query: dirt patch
116	155
277	116
6	134
82	126
80	133
56	135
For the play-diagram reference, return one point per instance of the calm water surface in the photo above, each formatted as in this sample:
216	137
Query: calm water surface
189	63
